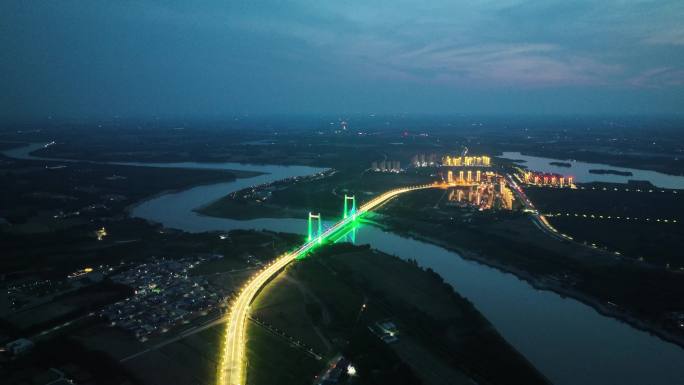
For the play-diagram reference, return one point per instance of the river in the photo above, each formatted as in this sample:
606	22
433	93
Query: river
566	340
580	171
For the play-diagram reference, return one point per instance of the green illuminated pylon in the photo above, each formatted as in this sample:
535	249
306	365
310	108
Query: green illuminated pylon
349	211
317	217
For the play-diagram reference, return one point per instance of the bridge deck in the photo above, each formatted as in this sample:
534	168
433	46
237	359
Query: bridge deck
233	353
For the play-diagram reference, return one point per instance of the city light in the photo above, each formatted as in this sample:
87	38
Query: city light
101	233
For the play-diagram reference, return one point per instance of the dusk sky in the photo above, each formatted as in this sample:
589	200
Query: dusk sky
98	59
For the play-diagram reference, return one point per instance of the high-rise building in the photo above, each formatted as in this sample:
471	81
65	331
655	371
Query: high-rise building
507	199
458	161
374	166
470	176
460	176
477	176
450	176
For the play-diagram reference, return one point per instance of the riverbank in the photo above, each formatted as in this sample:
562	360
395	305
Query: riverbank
543	282
439	334
231	175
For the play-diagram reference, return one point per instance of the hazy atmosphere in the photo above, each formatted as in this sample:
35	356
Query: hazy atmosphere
100	59
343	192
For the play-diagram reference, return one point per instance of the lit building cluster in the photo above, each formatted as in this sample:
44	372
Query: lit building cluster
506	196
468	177
547	179
466	161
386	166
165	295
484	190
423	160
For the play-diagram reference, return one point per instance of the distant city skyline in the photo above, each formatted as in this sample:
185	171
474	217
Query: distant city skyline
145	59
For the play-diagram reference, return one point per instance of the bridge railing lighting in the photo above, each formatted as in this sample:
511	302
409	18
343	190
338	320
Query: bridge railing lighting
231	367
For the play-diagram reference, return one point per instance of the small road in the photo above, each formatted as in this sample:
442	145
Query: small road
178	337
537	218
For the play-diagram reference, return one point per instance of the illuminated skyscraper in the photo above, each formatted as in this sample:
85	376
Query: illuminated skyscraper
507	199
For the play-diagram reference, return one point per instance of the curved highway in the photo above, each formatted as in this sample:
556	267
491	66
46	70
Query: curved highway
231	364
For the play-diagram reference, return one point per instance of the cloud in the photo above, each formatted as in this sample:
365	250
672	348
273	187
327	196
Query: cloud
486	65
668	37
476	43
218	54
659	78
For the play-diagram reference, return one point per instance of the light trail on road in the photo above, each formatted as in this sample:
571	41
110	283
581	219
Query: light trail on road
231	364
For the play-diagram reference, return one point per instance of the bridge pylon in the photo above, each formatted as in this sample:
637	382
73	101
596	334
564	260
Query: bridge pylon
349	210
319	227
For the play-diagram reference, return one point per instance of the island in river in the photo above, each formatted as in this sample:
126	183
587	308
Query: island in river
611	172
560	164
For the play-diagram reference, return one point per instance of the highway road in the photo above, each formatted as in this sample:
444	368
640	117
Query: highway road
232	362
539	220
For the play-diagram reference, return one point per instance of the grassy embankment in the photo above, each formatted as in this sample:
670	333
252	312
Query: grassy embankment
442	337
